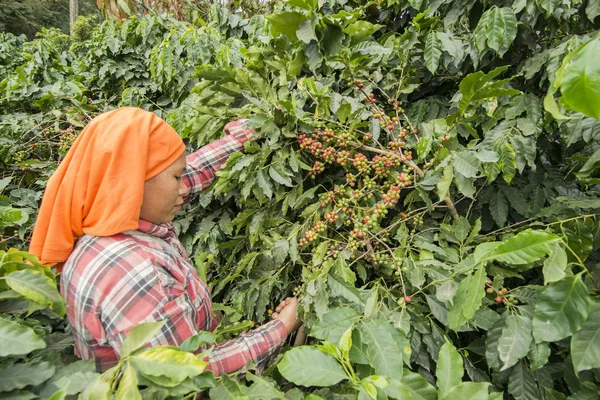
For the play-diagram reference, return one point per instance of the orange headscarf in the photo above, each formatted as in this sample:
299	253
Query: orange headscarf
99	186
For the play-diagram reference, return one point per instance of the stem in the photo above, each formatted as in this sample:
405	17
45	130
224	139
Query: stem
300	337
584	267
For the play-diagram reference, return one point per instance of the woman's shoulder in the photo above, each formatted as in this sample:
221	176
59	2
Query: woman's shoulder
101	266
122	249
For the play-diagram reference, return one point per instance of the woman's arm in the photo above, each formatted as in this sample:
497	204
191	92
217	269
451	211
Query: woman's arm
257	345
203	163
230	356
142	296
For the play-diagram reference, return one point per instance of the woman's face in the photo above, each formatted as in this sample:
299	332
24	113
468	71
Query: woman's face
164	193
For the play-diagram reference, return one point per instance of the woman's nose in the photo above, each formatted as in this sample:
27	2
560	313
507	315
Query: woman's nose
184	190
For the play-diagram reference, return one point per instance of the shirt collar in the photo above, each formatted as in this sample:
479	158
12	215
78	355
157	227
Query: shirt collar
162	231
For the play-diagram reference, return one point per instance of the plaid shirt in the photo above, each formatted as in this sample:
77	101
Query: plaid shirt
114	283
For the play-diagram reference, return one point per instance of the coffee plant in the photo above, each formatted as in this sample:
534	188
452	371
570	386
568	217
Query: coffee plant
425	179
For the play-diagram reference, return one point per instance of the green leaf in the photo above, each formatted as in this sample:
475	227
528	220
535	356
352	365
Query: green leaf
38	287
593	9
345	342
433	51
287	23
139	336
515	340
580	84
561	310
341	269
538	355
314	58
525	247
498	28
443	185
123	5
59	395
280	251
310	5
361	30
502	29
461	229
555	265
306	32
585	343
128	385
9	214
4	183
491	343
193	343
341	288
371	48
487	156
309	366
418	386
261	389
467	299
385	347
467	164
319	253
172	364
318	296
17	376
468	390
280	175
264	183
449	370
334	324
100	388
228	389
465	185
19	395
586	173
477	86
521	383
525	151
372	304
76	382
508	162
17	339
548	5
499	208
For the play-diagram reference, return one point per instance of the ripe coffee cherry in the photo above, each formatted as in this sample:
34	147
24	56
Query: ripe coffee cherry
499	299
407	299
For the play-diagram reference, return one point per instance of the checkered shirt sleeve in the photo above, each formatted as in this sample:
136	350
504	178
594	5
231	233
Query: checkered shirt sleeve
257	345
203	163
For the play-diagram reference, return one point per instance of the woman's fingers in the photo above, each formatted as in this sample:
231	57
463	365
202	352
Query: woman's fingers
291	300
281	306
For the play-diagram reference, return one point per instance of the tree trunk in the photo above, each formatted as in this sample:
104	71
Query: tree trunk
73	13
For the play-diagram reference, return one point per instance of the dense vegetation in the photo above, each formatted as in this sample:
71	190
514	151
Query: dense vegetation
427	181
27	17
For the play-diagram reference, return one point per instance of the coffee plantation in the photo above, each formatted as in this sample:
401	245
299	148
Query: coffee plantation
426	180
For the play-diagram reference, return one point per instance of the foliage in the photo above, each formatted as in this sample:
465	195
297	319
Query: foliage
426	180
27	17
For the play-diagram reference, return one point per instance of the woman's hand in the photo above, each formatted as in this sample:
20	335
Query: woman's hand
286	312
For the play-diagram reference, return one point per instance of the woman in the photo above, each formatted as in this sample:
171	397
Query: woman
106	214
